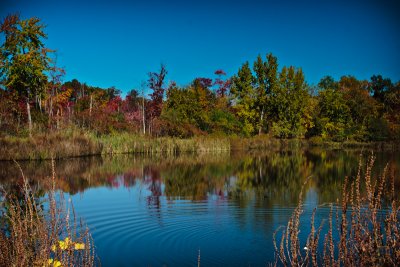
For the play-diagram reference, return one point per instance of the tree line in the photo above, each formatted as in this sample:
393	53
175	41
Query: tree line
261	98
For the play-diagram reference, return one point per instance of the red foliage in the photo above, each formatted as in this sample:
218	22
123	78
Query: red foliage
220	72
114	105
223	85
156	83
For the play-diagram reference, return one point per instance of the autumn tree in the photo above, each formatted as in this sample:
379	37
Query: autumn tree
156	83
223	86
24	59
133	109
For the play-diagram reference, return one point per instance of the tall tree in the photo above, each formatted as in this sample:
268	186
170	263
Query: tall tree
379	86
259	68
358	99
265	83
288	102
223	85
54	86
156	83
244	98
24	59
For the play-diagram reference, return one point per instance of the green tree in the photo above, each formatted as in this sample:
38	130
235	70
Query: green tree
379	86
288	104
328	82
181	112
244	98
334	115
362	106
265	83
24	59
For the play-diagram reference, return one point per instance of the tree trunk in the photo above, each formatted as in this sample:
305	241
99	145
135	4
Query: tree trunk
28	109
144	122
51	111
58	119
39	100
261	122
91	105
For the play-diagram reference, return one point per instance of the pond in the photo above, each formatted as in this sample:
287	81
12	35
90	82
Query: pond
166	211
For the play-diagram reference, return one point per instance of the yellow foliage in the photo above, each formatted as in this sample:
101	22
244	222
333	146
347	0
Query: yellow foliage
54	263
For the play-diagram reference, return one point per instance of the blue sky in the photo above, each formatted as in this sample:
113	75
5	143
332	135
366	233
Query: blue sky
116	43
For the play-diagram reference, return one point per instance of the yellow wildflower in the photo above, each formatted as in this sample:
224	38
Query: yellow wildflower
79	246
63	245
54	263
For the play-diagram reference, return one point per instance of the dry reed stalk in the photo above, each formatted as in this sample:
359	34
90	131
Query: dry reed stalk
32	234
367	236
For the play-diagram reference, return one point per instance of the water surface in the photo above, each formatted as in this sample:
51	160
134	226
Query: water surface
162	211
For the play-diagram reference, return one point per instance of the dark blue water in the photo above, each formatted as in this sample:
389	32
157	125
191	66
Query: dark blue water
224	208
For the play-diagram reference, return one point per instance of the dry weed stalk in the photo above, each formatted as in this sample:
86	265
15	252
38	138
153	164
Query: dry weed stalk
367	227
32	233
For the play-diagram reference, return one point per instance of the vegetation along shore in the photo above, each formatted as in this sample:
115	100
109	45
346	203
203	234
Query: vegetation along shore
78	144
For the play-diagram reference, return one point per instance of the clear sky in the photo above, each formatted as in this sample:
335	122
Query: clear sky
116	42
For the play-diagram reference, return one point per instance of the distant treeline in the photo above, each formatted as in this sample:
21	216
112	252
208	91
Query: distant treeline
260	99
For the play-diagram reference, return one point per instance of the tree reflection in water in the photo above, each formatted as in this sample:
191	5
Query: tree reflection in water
275	177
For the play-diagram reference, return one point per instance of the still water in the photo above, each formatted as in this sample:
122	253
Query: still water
162	211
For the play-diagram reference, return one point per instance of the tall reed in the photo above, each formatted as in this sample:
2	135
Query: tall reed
32	235
363	229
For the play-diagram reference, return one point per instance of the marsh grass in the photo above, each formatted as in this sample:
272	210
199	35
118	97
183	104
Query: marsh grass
363	229
73	142
48	146
31	234
126	143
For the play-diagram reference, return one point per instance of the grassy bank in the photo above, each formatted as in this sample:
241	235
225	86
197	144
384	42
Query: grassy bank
78	143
